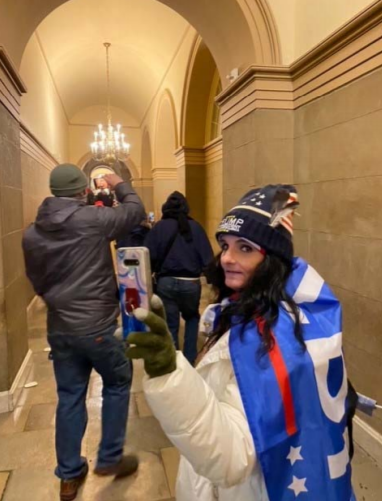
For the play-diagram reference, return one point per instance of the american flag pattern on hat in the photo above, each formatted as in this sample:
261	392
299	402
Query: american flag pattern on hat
278	206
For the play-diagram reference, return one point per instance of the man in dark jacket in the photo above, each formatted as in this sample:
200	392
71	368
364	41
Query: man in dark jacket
179	251
69	262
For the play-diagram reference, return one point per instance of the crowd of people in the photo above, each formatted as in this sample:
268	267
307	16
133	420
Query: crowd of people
263	411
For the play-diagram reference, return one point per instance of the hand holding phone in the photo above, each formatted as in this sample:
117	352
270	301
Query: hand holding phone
162	359
135	286
112	180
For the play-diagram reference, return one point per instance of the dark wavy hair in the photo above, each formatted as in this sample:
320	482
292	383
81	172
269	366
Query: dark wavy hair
260	300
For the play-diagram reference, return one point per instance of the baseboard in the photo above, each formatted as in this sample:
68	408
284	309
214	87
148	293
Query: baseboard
369	439
9	399
32	303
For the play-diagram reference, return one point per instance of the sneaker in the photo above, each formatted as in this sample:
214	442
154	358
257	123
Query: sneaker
69	488
126	466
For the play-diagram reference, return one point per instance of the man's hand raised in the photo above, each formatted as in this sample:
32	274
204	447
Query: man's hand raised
112	180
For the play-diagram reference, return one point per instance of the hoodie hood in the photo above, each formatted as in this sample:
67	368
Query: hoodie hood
55	211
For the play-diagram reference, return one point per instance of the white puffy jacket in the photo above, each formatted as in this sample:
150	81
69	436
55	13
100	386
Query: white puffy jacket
201	412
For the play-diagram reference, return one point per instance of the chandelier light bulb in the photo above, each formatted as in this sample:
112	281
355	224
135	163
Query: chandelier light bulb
109	144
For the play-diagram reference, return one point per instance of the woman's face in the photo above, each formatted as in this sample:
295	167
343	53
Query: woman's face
239	260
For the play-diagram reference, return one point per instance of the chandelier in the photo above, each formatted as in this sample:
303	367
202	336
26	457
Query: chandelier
109	143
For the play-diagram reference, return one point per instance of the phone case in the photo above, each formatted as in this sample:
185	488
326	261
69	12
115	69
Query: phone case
135	285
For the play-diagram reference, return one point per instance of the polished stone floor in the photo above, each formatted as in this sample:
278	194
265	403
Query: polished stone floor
27	456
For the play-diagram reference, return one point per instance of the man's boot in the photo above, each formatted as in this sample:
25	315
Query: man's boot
126	466
69	488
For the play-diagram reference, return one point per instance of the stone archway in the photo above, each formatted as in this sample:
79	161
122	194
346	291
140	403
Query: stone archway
201	168
247	27
119	168
145	186
165	173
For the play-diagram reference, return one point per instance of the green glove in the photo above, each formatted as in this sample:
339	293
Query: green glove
156	347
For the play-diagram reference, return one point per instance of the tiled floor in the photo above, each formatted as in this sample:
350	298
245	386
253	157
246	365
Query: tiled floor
27	456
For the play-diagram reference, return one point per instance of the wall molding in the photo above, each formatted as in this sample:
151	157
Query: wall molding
214	150
210	153
142	183
12	86
189	156
9	399
30	145
369	439
164	173
351	52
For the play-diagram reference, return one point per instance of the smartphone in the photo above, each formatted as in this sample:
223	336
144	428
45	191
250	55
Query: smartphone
135	285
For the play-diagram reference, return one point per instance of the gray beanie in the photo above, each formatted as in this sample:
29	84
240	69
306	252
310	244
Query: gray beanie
67	180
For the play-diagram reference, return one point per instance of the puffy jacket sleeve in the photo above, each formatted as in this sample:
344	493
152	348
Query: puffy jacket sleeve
34	263
116	222
213	435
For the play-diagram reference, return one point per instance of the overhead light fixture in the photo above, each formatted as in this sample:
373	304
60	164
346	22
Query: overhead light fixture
109	143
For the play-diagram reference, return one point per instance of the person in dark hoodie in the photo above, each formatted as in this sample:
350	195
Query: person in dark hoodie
179	251
68	260
136	237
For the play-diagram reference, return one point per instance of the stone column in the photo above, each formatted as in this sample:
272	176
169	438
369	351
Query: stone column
13	321
144	188
192	176
165	181
258	131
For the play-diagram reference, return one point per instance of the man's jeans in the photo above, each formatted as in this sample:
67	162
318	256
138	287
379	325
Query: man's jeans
74	357
182	296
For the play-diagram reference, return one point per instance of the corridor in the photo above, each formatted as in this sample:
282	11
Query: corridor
27	456
208	98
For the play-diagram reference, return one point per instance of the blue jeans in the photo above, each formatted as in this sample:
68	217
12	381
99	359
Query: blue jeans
182	297
74	357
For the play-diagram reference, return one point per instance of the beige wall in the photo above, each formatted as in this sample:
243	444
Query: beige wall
41	108
338	171
174	84
331	150
13	322
35	187
195	191
316	20
214	199
302	24
257	150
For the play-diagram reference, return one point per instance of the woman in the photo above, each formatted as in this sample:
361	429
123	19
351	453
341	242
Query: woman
264	414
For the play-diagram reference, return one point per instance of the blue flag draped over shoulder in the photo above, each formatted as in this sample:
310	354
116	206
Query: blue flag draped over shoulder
295	400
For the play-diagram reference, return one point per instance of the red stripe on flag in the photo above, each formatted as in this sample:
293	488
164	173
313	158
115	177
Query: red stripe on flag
283	382
287	222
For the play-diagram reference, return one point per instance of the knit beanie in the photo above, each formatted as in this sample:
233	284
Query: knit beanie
67	180
264	216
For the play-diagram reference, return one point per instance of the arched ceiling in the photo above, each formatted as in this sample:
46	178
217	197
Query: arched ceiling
237	32
144	35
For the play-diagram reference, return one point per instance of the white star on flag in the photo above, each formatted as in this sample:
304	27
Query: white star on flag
262	196
259	203
298	486
295	455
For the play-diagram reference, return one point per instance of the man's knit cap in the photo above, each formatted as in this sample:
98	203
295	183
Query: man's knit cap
67	180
